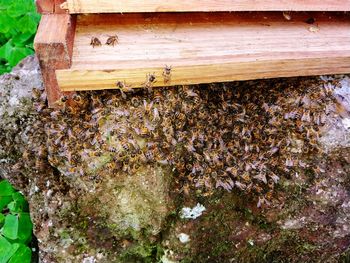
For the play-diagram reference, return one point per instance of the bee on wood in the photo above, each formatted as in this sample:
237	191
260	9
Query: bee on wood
95	42
150	80
287	15
123	87
112	40
167	74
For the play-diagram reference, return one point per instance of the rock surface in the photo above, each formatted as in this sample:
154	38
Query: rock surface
107	182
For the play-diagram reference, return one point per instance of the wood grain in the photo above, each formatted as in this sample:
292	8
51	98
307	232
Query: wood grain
204	48
53	45
116	6
45	6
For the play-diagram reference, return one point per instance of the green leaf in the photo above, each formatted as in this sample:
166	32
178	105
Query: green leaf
6	250
18	24
4	201
19	204
6	188
4	22
22	255
25	227
14	54
22	39
2	219
18	8
27	23
10	228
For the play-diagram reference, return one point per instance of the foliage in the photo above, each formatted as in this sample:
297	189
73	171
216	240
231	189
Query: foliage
19	21
16	226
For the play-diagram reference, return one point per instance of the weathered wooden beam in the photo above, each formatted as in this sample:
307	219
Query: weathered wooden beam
114	6
50	6
203	48
45	6
54	45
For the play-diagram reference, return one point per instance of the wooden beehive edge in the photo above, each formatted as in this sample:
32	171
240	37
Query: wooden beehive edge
53	45
112	6
204	48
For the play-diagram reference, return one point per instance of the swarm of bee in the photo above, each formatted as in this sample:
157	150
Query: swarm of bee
242	136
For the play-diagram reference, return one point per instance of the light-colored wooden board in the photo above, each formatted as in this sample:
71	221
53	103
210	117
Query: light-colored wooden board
116	6
204	48
53	45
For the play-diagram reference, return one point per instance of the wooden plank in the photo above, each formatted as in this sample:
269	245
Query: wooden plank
54	45
116	6
45	6
204	48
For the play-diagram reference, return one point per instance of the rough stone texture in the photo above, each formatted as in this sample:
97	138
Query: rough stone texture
107	183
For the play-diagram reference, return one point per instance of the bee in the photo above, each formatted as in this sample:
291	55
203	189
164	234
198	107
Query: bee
240	185
287	15
139	113
157	96
79	100
190	94
125	145
261	177
135	102
112	40
40	164
156	116
226	186
147	106
62	101
121	130
150	80
167	74
144	132
95	42
42	152
26	155
36	94
71	110
149	155
261	201
180	117
113	149
306	116
123	86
